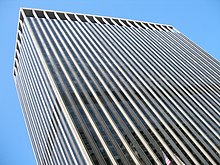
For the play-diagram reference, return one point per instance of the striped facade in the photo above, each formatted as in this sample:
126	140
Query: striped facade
101	90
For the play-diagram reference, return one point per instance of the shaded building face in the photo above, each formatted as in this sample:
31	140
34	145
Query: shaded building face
99	90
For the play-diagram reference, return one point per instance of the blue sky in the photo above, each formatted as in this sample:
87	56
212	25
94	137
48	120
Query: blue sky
197	19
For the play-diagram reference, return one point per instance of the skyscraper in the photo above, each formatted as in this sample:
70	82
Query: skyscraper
102	90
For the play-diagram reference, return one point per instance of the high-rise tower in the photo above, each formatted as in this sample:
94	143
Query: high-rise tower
101	90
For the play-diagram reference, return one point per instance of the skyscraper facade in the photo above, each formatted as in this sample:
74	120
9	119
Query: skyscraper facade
102	90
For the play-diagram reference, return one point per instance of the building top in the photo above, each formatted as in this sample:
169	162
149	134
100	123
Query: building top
49	14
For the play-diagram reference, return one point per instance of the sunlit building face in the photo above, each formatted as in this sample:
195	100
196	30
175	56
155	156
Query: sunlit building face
102	90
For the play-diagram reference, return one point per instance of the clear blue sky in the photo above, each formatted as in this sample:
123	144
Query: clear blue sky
197	19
